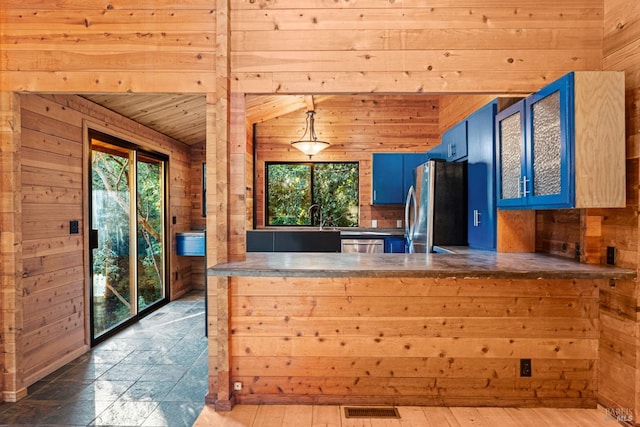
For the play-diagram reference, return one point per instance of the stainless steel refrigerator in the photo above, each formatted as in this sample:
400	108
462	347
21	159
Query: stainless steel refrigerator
436	207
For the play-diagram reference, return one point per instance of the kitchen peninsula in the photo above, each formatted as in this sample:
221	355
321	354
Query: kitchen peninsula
471	328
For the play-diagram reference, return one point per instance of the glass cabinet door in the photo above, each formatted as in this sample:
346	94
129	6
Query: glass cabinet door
534	143
549	145
510	155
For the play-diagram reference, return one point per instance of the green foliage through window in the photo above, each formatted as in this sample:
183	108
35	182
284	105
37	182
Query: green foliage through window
128	264
293	188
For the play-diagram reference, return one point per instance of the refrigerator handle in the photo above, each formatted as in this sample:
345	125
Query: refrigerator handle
409	225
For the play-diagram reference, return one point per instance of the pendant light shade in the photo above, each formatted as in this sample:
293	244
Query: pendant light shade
309	143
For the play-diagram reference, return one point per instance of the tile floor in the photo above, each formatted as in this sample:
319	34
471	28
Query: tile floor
152	374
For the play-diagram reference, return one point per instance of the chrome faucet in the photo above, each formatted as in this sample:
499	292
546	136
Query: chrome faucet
317	206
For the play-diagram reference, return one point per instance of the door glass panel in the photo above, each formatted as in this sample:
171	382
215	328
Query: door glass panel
150	230
510	156
112	273
127	238
546	145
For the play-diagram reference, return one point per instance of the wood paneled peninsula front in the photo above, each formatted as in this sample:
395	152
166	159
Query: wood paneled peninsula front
414	329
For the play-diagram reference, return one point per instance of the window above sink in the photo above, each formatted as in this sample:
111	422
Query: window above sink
321	194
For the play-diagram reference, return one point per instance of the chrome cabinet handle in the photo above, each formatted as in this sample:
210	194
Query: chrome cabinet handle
525	181
451	150
476	218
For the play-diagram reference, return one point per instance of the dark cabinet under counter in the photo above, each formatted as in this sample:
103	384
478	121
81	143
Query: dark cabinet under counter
293	241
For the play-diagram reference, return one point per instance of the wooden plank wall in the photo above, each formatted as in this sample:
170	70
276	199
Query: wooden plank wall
13	386
455	108
219	211
373	47
356	127
240	171
619	381
53	287
326	46
87	47
249	176
321	46
621	42
413	341
198	157
53	295
558	232
123	46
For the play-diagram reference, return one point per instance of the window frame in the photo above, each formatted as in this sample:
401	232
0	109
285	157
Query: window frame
311	164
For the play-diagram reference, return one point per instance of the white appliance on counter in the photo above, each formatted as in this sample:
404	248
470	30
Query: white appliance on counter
436	207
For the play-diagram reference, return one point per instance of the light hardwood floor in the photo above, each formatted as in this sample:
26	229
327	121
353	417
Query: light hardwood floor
411	416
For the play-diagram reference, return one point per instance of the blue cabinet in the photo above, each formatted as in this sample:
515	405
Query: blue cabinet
387	178
534	147
564	146
453	147
394	245
480	168
392	175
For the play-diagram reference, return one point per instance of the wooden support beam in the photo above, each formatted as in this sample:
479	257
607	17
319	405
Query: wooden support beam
217	147
310	103
11	268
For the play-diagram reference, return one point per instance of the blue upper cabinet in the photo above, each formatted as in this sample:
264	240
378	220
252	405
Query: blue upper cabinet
392	175
510	156
387	178
533	146
480	168
454	143
562	147
549	144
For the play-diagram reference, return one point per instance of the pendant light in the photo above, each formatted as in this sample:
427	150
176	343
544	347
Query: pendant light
310	145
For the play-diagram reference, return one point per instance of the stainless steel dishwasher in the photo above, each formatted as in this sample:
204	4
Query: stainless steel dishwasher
362	245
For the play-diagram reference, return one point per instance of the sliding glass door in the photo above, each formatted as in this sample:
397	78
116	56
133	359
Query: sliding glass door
127	240
150	222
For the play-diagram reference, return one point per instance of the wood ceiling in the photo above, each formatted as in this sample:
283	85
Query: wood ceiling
179	116
182	116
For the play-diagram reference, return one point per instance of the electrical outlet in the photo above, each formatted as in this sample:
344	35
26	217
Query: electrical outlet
525	367
237	386
73	227
611	255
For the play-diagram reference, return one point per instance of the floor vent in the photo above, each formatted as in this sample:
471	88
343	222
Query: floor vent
366	412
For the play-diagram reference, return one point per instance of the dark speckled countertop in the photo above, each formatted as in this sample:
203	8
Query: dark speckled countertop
463	264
